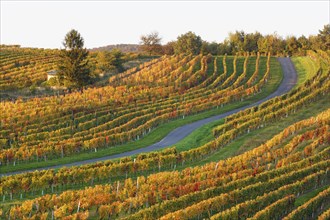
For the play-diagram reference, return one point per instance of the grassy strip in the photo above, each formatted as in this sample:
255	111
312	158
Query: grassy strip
305	197
159	133
305	68
198	137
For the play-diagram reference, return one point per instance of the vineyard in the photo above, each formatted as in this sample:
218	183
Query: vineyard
163	90
266	181
25	67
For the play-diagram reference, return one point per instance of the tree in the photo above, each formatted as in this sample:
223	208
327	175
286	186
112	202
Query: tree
271	43
324	37
189	43
73	70
292	45
315	44
103	63
168	48
209	48
224	48
151	43
107	61
251	42
117	59
237	41
305	45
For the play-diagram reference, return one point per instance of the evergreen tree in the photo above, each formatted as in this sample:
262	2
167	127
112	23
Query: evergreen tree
73	70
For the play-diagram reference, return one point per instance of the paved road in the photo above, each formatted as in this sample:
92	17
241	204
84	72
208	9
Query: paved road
288	82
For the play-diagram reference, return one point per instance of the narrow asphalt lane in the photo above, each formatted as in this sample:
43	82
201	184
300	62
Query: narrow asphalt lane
288	82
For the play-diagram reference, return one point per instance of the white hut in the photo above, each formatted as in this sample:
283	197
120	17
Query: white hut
51	74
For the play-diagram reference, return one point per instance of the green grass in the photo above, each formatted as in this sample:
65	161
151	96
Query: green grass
307	196
198	137
160	132
305	68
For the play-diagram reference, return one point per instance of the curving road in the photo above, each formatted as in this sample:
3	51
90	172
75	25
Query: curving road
288	82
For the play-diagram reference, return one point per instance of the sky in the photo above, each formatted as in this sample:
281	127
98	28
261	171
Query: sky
44	24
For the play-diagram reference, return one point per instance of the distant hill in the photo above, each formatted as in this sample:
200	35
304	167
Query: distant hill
123	47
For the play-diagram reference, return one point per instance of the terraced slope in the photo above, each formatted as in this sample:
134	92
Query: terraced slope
165	89
248	185
21	68
261	183
289	80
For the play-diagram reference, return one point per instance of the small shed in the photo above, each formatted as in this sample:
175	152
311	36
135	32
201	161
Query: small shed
51	74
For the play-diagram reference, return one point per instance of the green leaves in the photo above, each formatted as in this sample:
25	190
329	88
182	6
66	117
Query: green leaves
73	70
73	40
189	43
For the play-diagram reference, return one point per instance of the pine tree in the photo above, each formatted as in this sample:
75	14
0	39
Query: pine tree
73	70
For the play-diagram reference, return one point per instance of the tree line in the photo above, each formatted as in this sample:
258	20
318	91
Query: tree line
238	42
74	70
